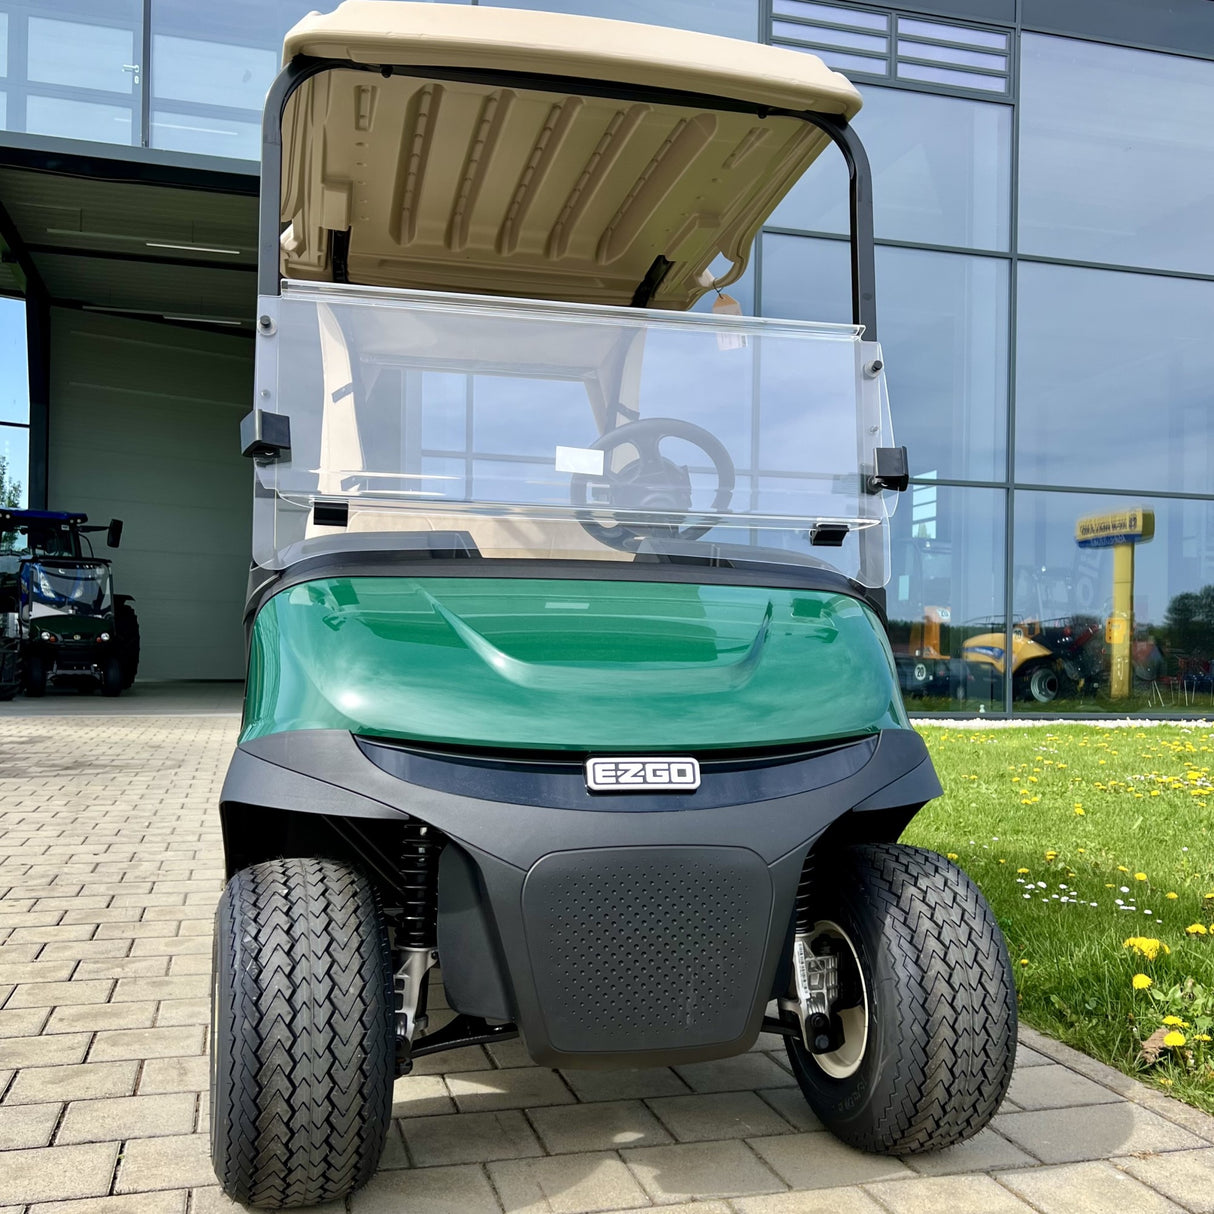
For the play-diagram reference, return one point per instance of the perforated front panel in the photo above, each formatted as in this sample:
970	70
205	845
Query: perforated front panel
647	948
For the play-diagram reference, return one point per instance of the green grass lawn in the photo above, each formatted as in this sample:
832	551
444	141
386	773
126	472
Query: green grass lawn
1082	837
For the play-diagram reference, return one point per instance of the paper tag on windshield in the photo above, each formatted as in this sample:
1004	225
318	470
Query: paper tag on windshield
726	305
584	460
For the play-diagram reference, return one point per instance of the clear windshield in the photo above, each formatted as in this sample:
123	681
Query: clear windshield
524	429
75	588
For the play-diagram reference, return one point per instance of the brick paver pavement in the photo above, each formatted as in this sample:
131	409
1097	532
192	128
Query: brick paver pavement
109	870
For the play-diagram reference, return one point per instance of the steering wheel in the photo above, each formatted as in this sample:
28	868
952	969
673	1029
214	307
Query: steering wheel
651	481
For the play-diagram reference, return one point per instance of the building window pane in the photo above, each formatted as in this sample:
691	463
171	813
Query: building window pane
1116	155
78	119
829	13
81	56
1077	634
948	54
952	33
943	332
1113	380
14	466
941	172
944	75
878	44
945	588
214	73
205	135
3	44
14	381
732	18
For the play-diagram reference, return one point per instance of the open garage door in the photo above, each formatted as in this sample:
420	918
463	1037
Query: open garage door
143	274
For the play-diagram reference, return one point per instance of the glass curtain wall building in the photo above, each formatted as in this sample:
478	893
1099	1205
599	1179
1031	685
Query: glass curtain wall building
1044	180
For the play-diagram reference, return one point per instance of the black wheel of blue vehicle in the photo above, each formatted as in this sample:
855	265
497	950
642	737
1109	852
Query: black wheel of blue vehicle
34	676
929	1027
126	628
111	676
302	1043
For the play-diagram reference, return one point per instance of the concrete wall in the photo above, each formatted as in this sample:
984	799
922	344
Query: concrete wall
144	424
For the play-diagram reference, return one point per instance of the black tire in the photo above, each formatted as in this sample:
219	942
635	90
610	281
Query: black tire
1038	682
303	1047
126	629
941	1005
111	676
35	675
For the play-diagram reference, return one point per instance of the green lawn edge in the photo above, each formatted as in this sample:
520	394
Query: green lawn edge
1095	814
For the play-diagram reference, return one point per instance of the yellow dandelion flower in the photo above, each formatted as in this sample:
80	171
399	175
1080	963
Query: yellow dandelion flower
1167	1083
1171	897
1174	1039
1140	876
1051	855
1201	1037
1022	871
1197	929
1141	982
1146	946
1175	1022
1121	868
1079	811
952	855
1081	850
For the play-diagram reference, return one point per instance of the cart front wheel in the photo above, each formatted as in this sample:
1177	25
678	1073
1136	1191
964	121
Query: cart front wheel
929	1033
302	1053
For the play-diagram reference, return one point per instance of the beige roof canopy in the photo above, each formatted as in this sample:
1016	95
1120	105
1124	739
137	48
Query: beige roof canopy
490	189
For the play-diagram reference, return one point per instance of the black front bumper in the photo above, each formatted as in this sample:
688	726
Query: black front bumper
614	929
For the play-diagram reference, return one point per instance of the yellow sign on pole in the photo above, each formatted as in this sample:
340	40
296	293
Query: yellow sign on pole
1119	530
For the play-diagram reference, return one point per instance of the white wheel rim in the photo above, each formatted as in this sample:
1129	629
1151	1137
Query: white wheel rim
845	1061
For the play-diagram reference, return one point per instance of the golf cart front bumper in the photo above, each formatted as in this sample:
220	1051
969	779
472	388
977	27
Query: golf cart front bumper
613	929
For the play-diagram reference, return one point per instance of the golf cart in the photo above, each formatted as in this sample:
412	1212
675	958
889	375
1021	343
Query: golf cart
568	675
69	625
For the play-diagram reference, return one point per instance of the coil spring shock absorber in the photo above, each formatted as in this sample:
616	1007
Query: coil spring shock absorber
815	967
416	930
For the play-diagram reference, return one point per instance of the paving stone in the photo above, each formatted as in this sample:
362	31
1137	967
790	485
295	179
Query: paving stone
1086	1188
633	1084
1055	1087
982	1153
168	1201
165	1163
187	986
956	1194
59	1172
1187	1177
84	950
127	1117
56	994
113	1044
691	1170
524	1087
12	953
816	1201
181	1011
43	1051
14	972
468	1138
792	1106
92	1017
565	1184
821	1161
1101	1130
600	1126
420	1096
467	1058
84	1081
23	1021
718	1115
26	1125
1026	1056
130	929
509	1053
426	1191
743	1072
123	967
